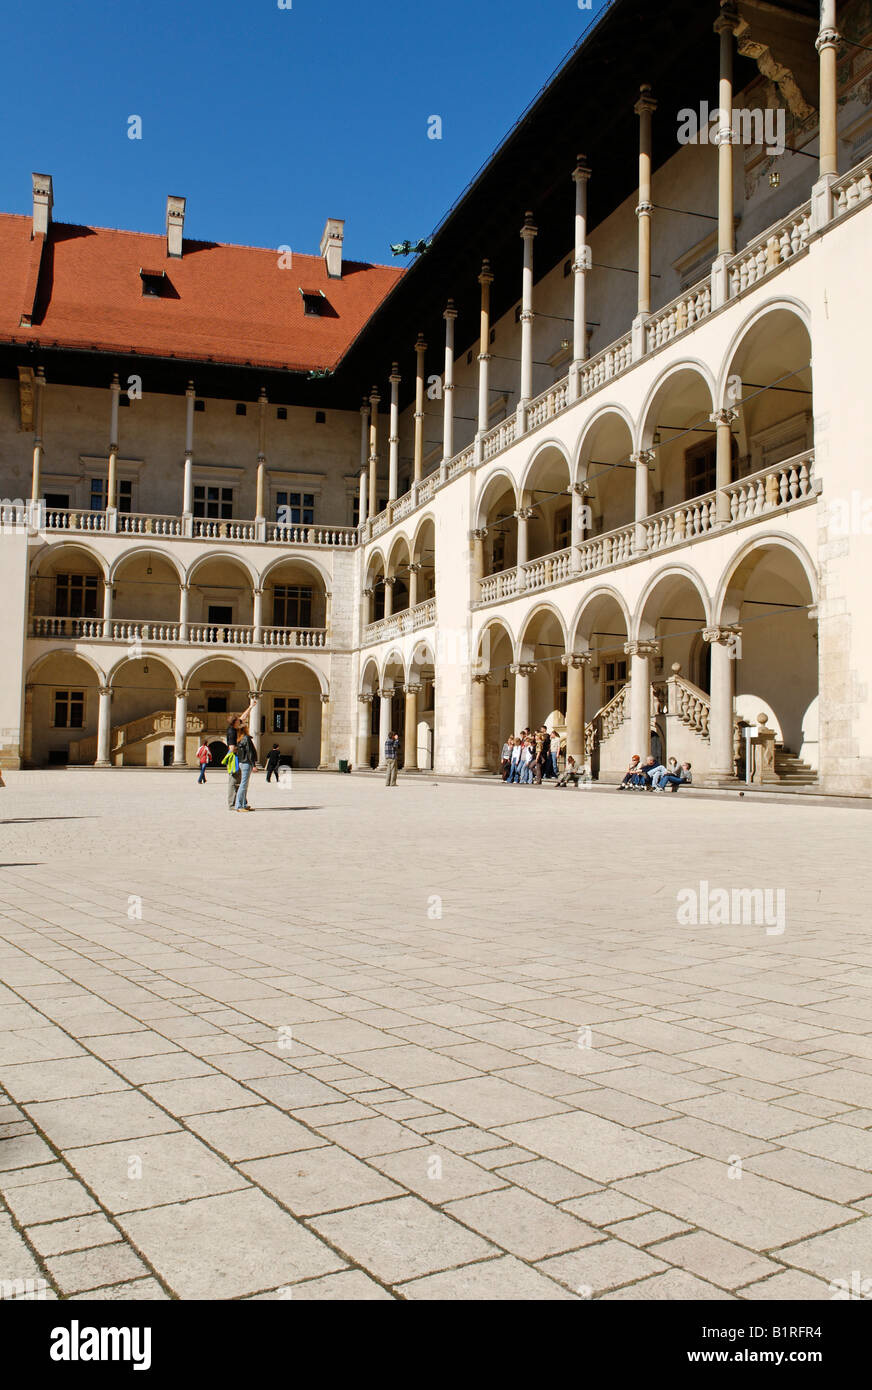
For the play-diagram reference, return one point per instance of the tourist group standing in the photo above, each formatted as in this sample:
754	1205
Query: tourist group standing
536	755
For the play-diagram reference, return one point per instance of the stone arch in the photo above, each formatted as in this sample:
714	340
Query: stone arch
144	551
294	706
676	428
61	704
545	492
767	380
604	466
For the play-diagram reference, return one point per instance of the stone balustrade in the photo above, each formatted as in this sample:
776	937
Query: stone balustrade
769	251
128	631
398	624
681	314
772	488
852	188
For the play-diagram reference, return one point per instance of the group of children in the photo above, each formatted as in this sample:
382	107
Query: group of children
530	756
653	776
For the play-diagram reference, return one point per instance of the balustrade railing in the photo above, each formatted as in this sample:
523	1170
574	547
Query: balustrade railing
679	524
682	313
409	620
141	524
548	570
771	249
549	404
72	519
125	631
686	702
333	536
294	637
601	552
224	530
498	439
772	488
67	627
607	364
852	188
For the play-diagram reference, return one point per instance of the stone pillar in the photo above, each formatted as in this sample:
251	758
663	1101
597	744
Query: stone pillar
373	451
724	420
448	388
522	674
420	351
257	615
384	723
528	233
27	733
188	482
394	438
575	668
642	460
578	492
324	755
644	108
485	279
108	596
640	693
827	45
180	729
478	758
725	28
363	727
410	742
104	725
390	581
724	650
363	508
580	268
414	571
184	598
112	475
38	410
260	503
478	539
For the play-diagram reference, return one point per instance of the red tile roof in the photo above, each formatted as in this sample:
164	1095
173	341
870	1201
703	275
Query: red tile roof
225	303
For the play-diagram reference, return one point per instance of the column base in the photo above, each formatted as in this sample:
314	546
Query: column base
822	202
102	762
640	337
720	281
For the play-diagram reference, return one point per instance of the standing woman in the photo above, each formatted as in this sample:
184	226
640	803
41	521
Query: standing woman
247	755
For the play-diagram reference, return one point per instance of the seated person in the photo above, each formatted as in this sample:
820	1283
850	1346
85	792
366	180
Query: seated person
659	772
574	773
644	773
632	771
673	780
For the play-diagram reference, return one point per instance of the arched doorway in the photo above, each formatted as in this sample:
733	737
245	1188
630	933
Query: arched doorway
143	713
61	711
291	713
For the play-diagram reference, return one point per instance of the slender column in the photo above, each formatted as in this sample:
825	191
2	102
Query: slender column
523	515
642	460
180	729
579	492
38	409
645	108
254	718
394	438
390	581
724	649
414	571
522	674
640	693
448	386
725	27
257	615
410	741
827	45
324	757
580	268
188	486
104	724
478	539
184	598
373	451
479	712
384	723
724	419
362	501
27	736
420	352
260	504
363	729
528	233
112	476
575	668
485	279
108	596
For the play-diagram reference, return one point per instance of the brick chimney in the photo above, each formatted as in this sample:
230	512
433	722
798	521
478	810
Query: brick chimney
43	200
331	246
175	225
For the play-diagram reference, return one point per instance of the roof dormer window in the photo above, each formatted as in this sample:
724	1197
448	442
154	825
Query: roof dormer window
314	302
152	282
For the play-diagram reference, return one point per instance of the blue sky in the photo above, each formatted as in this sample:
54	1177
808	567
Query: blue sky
269	120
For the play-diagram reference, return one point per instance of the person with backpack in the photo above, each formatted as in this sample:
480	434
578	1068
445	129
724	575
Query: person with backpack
204	757
247	755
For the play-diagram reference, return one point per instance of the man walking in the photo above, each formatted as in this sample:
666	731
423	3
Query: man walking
272	762
392	748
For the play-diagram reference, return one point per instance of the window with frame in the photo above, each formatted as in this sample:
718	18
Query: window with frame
76	596
561	688
286	714
563	529
614	677
123	494
292	606
213	501
700	468
69	709
295	508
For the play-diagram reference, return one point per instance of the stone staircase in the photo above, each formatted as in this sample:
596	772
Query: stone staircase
792	771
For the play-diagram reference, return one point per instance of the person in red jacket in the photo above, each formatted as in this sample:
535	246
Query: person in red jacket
204	758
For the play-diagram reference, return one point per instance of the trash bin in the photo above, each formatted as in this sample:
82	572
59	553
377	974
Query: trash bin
343	764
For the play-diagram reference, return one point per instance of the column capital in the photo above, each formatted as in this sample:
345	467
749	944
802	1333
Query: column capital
450	312
644	209
486	277
415	567
482	679
579	489
389	693
390	579
325	699
727	416
529	229
102	690
524	668
367	697
644	649
583	263
263	398
582	171
524	513
413	689
420	344
395	377
646	105
254	695
724	636
367	593
576	660
827	38
258	591
115	384
189	390
728	19
364	409
480	533
181	694
644	456
374	397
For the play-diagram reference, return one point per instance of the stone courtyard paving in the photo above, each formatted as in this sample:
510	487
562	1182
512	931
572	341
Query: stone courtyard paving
447	1042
